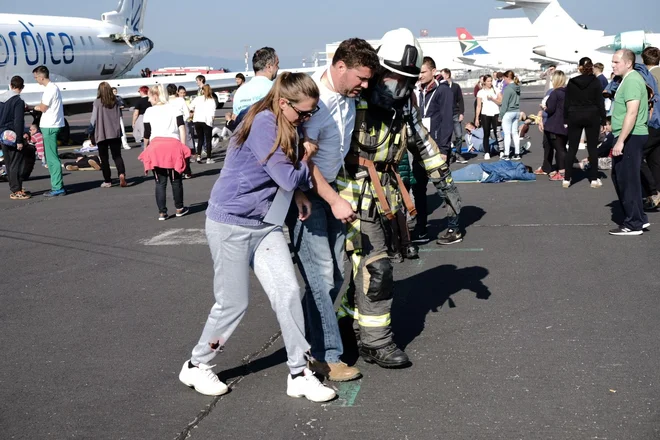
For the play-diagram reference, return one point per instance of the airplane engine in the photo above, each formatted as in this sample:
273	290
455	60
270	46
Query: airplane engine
633	40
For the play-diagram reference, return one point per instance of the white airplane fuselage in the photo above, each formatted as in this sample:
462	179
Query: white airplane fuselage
73	49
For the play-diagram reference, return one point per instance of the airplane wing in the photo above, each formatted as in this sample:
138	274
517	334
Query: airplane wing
544	62
466	60
78	96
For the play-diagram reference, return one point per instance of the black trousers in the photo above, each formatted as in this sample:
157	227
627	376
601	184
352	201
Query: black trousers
204	133
14	164
651	163
419	193
625	175
115	149
488	123
558	142
548	153
162	175
590	123
29	159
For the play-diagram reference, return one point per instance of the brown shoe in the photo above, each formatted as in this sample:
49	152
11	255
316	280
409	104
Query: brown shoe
72	167
336	372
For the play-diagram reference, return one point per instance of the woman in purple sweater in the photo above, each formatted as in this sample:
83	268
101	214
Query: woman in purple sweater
244	221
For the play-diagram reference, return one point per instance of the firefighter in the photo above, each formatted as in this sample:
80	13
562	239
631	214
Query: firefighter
386	124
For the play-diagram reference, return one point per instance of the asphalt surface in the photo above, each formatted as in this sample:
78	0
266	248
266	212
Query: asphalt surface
539	325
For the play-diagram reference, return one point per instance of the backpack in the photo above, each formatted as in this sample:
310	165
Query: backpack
654	96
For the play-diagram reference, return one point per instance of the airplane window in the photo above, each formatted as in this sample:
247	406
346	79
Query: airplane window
82	40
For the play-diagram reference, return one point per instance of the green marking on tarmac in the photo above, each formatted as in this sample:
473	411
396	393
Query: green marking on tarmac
448	249
347	393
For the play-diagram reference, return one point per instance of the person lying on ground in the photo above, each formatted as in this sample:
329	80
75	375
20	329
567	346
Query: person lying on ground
474	139
80	161
496	172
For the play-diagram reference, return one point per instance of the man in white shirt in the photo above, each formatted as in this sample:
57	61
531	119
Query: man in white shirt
319	241
265	64
52	121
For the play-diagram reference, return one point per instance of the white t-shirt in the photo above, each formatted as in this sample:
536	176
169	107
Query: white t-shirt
204	110
54	116
181	106
332	127
162	119
488	107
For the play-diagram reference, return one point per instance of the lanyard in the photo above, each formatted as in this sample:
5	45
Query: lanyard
425	104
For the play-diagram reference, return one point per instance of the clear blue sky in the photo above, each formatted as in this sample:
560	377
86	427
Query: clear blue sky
222	29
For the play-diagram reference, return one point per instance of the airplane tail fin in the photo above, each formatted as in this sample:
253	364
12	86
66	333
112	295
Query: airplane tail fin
469	46
129	15
546	16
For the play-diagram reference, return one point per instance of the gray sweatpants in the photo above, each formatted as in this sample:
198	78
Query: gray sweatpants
234	250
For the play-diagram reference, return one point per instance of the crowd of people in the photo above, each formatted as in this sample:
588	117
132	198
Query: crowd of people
337	158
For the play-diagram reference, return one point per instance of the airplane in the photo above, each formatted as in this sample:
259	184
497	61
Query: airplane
574	41
81	52
73	48
475	55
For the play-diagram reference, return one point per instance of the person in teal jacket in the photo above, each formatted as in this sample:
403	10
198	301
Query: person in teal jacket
510	114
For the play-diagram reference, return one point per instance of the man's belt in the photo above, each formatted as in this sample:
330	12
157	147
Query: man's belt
378	187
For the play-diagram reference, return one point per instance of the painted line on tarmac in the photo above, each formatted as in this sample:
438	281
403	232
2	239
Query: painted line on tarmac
185	236
347	393
542	225
447	249
173	237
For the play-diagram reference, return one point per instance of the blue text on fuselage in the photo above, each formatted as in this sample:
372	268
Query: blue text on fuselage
54	49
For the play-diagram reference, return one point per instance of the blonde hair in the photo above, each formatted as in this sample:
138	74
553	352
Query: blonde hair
158	91
294	87
558	79
512	76
207	92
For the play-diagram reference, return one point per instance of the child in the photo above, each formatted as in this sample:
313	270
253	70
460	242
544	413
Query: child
36	140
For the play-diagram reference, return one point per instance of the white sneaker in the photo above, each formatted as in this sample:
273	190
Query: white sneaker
565	183
210	161
596	183
646	225
309	386
486	156
202	379
501	154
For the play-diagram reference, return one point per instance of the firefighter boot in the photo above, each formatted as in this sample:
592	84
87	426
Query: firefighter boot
389	356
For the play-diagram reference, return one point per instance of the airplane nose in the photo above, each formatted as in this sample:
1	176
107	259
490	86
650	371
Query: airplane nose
539	50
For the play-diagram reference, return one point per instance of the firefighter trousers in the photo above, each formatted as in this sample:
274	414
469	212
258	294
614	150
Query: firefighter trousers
368	299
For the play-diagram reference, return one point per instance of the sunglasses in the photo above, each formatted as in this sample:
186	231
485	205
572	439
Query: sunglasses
303	114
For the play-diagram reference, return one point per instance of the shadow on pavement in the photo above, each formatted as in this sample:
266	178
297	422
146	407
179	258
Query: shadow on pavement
429	291
276	358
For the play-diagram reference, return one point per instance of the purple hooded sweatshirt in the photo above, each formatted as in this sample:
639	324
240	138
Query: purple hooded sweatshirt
248	183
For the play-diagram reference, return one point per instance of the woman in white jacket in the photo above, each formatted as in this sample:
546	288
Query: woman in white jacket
203	109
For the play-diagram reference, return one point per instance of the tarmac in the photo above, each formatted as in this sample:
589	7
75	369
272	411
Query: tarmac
539	325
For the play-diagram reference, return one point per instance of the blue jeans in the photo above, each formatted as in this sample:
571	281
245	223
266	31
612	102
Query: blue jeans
510	129
319	243
469	173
